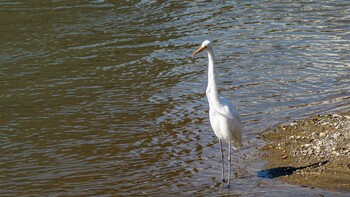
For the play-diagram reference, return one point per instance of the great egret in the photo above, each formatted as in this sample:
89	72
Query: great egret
224	119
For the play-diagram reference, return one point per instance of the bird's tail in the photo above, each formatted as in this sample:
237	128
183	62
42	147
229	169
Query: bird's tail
236	146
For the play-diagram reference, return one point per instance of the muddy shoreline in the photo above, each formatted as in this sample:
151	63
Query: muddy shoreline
313	152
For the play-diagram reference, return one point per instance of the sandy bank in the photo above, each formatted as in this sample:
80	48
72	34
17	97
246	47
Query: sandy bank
313	152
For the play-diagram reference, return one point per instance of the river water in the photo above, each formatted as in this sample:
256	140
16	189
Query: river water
103	98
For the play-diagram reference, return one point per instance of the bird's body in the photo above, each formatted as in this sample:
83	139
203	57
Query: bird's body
226	127
224	119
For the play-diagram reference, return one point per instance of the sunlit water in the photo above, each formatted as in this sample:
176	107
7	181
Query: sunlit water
103	98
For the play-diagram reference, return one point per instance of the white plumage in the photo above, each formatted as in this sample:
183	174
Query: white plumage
226	123
224	118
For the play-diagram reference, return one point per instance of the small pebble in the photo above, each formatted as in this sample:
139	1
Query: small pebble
293	124
322	134
335	153
336	116
307	145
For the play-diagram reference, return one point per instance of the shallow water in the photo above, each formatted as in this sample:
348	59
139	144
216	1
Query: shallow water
104	98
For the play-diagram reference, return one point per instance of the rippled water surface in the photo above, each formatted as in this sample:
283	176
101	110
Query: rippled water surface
103	98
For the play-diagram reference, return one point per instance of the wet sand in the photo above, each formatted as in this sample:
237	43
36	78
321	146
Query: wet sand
313	152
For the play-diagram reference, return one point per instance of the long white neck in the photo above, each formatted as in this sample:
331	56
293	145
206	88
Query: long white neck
212	91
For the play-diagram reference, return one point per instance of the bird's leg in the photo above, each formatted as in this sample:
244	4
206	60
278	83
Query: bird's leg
229	164
222	161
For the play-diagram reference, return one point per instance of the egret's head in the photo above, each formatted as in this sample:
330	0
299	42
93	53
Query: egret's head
206	44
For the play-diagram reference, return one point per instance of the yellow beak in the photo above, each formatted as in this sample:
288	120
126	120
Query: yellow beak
199	50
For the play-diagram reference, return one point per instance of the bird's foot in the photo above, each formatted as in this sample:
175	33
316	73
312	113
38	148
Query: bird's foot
226	187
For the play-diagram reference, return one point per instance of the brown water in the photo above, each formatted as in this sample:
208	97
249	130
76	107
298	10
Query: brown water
103	98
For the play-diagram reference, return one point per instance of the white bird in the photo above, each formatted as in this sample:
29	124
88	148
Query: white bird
224	119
